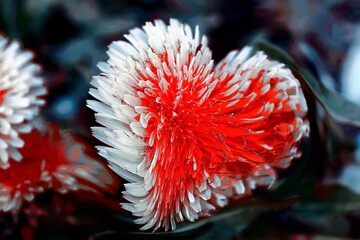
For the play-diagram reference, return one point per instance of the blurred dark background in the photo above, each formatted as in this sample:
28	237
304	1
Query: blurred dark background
69	37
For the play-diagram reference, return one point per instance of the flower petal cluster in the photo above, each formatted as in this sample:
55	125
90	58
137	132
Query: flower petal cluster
56	160
21	89
189	135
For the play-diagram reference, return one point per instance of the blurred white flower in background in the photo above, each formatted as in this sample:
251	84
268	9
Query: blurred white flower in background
351	70
21	89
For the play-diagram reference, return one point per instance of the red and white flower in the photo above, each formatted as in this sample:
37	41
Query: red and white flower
52	160
187	135
20	92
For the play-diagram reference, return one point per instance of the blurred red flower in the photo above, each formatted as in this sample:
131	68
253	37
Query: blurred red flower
53	159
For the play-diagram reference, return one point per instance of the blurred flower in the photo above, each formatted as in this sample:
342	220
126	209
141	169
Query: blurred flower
52	160
186	135
20	92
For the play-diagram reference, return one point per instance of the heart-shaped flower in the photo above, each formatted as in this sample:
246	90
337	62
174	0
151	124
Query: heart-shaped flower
20	97
187	135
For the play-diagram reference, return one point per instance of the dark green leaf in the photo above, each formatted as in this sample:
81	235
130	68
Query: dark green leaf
327	208
224	224
337	106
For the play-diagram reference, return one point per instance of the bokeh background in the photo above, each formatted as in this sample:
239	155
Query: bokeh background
69	37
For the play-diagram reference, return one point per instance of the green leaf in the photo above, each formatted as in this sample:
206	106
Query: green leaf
327	208
225	223
337	106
